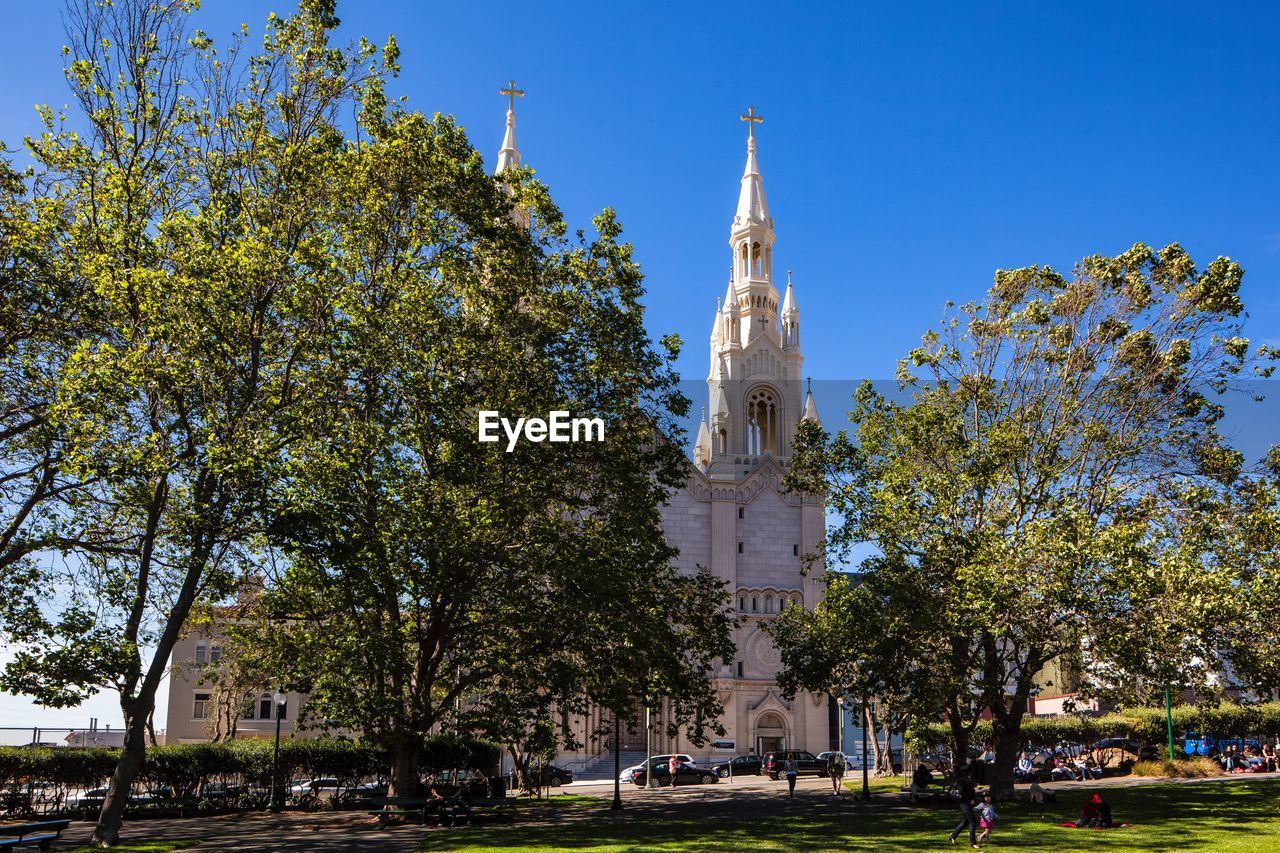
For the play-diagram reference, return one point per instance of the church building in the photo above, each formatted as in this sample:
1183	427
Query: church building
732	517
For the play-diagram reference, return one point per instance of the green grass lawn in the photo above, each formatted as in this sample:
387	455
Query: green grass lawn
1230	816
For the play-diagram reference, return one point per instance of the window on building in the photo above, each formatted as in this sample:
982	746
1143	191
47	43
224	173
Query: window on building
264	707
215	654
201	654
755	602
284	710
739	547
742	512
742	603
739	669
246	710
762	422
768	604
200	707
795	550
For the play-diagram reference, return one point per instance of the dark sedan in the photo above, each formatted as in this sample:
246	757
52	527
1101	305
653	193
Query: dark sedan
742	765
556	776
686	774
807	764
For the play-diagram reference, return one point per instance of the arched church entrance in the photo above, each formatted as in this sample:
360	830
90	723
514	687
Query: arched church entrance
770	733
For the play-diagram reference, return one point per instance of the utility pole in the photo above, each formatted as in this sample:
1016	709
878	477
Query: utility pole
617	764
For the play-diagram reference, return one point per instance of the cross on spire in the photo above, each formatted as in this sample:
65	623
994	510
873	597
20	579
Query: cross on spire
512	93
752	120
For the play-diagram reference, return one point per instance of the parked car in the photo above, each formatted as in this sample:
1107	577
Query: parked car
625	775
476	782
556	776
742	765
328	788
686	774
93	798
807	764
848	761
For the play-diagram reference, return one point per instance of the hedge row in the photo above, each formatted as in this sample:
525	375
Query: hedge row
1146	725
188	769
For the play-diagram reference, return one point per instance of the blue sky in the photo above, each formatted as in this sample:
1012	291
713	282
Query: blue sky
908	150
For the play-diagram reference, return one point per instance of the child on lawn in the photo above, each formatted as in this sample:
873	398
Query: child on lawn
986	817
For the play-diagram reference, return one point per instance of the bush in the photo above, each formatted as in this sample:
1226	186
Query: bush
38	780
1195	768
1146	725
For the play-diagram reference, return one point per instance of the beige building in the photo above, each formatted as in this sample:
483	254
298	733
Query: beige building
192	706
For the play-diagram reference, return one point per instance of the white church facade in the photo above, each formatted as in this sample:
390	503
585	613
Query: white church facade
732	517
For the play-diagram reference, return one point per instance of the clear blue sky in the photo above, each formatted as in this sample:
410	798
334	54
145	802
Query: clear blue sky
908	150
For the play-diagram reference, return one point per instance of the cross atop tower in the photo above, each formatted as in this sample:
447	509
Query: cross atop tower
751	119
512	93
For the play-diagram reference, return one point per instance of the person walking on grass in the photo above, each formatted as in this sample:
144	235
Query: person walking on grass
968	799
986	817
793	770
835	770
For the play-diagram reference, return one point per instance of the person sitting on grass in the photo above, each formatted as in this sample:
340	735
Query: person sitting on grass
1025	771
1096	814
986	817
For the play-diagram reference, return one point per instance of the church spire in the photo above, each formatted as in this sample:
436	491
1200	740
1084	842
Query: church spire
702	448
753	208
509	156
790	316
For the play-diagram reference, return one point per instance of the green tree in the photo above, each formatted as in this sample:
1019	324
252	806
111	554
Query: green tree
436	580
189	198
1051	430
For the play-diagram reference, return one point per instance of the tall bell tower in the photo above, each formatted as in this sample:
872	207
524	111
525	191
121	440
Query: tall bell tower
754	383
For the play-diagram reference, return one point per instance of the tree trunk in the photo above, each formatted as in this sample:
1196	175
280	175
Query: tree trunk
959	736
107	832
886	749
1007	741
521	765
873	738
406	762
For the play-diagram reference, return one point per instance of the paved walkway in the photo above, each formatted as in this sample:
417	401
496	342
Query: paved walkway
360	833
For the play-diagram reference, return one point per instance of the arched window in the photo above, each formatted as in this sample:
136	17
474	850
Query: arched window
757	260
742	603
768	604
762	422
754	604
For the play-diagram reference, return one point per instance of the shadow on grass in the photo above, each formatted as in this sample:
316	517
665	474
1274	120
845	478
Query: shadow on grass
1233	815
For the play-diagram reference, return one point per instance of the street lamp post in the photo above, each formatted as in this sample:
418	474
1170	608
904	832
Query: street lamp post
274	804
866	785
617	764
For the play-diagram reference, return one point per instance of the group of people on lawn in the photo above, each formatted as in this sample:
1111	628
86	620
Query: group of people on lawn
1249	760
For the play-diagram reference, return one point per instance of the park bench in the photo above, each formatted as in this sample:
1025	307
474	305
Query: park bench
40	835
387	808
